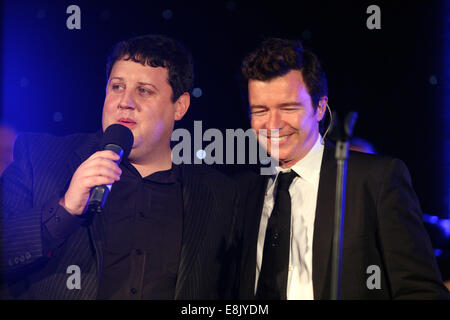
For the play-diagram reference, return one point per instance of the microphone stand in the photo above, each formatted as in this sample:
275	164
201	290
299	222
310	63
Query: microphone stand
341	135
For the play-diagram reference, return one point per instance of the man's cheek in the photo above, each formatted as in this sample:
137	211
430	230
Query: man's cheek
255	123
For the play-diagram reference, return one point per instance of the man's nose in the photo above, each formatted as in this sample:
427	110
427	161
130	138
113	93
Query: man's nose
274	121
127	102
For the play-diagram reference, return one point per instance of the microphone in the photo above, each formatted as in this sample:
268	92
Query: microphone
119	139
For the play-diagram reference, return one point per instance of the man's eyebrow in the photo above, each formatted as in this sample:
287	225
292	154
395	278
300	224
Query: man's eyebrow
257	106
139	82
281	105
148	84
290	104
118	78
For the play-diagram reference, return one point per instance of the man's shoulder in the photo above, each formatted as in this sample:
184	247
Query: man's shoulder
249	180
377	167
42	150
206	175
366	160
247	175
44	142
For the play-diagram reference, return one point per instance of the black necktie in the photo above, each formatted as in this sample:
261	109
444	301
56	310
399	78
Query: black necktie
272	282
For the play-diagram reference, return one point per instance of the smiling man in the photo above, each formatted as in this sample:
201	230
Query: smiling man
289	216
284	104
166	231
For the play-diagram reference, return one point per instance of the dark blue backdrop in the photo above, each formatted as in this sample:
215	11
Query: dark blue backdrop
53	78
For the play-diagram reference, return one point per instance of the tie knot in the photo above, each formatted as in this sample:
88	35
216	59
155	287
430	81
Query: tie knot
285	179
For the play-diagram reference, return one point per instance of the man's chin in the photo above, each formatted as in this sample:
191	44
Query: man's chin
280	159
284	159
277	153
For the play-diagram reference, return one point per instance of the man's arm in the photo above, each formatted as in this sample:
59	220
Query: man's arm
29	233
235	244
32	231
411	266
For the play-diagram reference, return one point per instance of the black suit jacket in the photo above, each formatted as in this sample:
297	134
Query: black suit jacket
383	227
32	186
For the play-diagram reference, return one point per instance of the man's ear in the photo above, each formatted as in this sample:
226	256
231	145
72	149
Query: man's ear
182	106
321	108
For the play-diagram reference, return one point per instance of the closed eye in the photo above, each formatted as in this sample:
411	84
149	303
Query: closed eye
289	109
290	106
257	111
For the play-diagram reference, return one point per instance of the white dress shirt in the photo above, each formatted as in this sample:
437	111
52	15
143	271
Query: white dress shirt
303	191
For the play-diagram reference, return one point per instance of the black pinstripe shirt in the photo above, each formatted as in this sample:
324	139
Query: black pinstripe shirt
143	236
144	218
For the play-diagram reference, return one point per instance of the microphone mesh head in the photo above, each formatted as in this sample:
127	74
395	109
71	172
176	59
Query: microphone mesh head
119	135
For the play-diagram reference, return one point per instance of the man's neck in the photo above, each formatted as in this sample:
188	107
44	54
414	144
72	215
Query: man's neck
290	163
161	163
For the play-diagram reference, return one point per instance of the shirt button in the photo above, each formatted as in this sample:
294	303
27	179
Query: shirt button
138	252
133	291
58	219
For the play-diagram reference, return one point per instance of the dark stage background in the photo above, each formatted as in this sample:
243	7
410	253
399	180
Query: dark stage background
396	78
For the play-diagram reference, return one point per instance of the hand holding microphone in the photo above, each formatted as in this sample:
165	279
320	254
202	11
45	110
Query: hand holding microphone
91	182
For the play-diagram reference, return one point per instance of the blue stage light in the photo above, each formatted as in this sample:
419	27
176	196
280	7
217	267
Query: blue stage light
197	92
430	219
445	225
437	252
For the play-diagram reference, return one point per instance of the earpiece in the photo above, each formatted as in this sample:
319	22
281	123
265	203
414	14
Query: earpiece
329	125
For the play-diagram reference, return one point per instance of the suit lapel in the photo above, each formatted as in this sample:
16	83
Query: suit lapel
197	202
323	225
85	150
254	205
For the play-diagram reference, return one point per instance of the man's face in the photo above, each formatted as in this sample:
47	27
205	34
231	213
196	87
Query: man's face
284	103
140	98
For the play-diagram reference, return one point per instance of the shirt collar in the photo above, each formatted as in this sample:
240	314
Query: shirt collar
169	176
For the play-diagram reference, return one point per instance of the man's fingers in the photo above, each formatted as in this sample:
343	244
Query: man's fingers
99	169
98	181
103	171
108	154
100	162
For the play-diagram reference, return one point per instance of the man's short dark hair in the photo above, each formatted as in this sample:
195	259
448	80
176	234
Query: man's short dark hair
158	51
276	57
